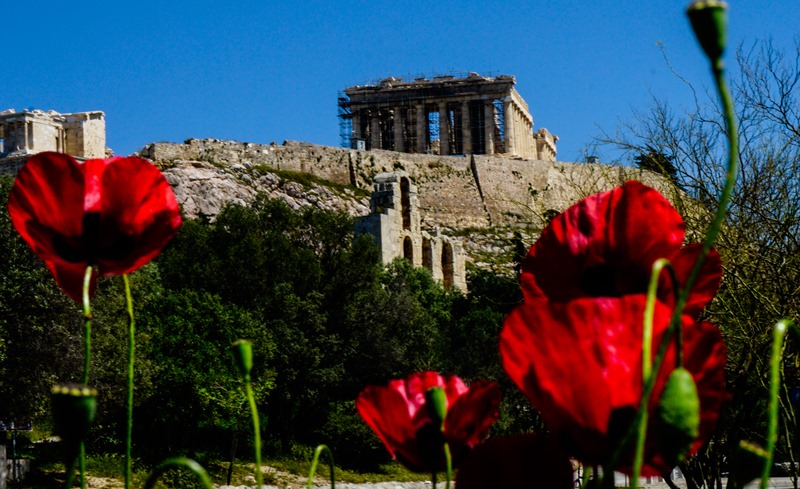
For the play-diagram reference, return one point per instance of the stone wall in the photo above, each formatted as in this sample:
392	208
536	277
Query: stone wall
203	189
454	192
86	134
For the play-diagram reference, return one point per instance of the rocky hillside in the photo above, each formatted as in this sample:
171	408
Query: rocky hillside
490	201
454	192
203	188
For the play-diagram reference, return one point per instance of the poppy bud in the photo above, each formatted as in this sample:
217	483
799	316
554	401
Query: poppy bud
747	464
677	422
243	353
709	21
74	407
436	404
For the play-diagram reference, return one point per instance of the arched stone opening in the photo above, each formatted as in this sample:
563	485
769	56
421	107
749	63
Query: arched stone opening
427	254
405	202
408	249
447	265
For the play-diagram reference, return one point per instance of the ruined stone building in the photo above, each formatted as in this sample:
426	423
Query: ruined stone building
394	223
445	115
82	134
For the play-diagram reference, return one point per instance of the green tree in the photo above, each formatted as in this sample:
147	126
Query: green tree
197	399
40	328
296	272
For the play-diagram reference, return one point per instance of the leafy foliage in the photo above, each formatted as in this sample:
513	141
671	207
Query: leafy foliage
39	332
325	317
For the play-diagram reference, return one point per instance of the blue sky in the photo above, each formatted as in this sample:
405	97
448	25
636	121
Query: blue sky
264	71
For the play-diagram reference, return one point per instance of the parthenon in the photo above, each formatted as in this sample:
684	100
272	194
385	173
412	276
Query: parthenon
444	115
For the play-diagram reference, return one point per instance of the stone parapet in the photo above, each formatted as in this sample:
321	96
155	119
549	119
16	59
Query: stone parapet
453	192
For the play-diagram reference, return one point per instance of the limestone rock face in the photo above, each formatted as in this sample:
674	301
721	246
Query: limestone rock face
454	192
203	189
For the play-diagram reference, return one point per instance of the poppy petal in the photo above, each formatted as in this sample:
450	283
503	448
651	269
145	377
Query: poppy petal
140	214
545	355
45	205
398	415
468	420
385	411
707	282
116	214
603	246
579	363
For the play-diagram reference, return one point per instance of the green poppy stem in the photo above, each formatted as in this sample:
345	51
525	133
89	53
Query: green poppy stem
71	473
131	351
774	389
449	465
251	399
315	461
647	364
87	355
178	462
87	325
585	476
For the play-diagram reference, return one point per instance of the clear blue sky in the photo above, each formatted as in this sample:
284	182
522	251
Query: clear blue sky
263	71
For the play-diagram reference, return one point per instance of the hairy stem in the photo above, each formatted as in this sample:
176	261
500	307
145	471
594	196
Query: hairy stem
774	390
131	351
87	355
315	461
251	399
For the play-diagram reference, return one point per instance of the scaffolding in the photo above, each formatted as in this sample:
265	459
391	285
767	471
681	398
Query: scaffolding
345	121
500	126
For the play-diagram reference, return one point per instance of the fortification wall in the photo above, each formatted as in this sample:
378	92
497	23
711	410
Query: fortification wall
453	191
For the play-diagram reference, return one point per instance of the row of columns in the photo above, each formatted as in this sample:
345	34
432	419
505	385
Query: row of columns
447	142
19	135
11	135
519	131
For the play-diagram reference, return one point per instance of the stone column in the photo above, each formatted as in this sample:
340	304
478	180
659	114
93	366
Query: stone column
375	130
511	126
356	132
488	127
399	142
25	134
422	129
529	138
444	129
466	128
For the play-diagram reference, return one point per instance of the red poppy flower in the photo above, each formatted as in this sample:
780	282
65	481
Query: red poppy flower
605	246
115	214
400	416
579	363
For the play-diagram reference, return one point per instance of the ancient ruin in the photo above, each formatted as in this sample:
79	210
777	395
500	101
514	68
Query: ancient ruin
394	223
82	134
445	116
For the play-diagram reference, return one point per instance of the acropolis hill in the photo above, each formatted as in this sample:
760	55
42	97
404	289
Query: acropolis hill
467	143
453	192
441	156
